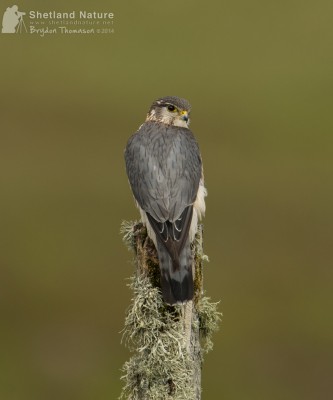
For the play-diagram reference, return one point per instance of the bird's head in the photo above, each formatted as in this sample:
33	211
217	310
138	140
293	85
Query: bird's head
170	110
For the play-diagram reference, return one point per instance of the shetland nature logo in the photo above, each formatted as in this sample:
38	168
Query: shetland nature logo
12	21
45	23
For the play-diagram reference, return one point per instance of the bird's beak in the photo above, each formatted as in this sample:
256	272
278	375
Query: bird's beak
184	116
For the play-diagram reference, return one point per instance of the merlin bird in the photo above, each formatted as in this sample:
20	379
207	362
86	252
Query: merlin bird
164	168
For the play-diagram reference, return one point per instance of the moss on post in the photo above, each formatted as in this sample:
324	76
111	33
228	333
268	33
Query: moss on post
168	342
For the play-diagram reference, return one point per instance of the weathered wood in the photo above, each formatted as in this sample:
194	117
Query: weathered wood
165	339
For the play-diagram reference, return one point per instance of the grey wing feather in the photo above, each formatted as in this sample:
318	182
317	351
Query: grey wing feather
163	165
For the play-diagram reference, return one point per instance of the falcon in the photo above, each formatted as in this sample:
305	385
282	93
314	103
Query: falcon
164	169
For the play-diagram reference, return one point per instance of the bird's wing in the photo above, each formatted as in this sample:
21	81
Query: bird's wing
164	168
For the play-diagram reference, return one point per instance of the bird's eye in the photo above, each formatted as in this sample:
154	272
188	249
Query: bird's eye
171	107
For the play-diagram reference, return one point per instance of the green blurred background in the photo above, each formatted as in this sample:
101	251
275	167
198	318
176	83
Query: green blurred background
259	76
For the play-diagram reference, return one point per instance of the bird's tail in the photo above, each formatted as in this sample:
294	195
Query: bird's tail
176	275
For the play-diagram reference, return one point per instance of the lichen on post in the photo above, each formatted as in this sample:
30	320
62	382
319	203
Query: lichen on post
168	342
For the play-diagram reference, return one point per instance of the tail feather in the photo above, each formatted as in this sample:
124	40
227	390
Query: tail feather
176	275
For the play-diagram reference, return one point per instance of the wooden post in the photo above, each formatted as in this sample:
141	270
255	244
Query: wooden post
168	342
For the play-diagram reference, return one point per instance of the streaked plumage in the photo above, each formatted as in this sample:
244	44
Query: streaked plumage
164	168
